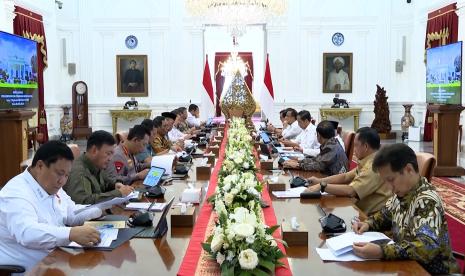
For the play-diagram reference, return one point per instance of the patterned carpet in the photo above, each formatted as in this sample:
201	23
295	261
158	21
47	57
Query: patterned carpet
453	196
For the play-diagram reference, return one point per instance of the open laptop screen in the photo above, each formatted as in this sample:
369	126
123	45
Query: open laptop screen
154	176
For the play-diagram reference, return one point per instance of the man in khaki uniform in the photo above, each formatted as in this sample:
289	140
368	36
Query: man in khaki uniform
88	183
362	182
124	166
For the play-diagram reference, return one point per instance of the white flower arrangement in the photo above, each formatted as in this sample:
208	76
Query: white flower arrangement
241	242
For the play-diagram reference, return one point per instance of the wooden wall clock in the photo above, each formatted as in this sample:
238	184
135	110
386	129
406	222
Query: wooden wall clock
81	127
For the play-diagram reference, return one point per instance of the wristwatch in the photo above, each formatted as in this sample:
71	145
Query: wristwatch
323	186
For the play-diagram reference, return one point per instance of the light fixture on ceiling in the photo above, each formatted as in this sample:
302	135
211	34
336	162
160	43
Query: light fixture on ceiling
236	14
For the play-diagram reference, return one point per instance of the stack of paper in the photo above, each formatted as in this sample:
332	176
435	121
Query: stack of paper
109	203
157	207
164	161
343	243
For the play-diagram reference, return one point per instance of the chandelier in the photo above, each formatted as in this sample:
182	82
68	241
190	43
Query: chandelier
236	14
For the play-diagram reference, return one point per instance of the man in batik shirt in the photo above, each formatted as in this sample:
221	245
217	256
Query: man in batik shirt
415	215
330	161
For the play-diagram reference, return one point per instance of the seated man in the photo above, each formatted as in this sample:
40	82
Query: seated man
145	157
306	141
182	124
414	214
193	116
161	144
330	161
282	118
36	215
175	134
292	129
123	165
362	182
88	182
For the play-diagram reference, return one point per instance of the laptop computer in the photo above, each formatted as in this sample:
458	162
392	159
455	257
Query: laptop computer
154	176
162	226
265	150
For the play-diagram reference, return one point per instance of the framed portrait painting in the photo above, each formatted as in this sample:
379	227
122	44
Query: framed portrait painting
131	75
337	72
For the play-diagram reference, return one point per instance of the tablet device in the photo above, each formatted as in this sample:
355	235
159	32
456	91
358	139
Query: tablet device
266	139
154	176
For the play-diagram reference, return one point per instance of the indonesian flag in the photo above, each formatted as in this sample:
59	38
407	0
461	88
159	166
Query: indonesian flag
207	107
267	95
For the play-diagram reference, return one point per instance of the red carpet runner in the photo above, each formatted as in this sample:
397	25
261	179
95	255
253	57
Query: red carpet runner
190	263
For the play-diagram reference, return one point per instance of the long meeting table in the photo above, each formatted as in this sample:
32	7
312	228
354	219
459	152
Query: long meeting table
164	256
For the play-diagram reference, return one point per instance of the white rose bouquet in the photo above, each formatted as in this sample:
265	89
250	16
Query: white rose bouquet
242	244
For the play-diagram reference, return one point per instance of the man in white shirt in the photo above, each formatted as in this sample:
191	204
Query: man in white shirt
293	129
306	141
193	116
175	134
36	215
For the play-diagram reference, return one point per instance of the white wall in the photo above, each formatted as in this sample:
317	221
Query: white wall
95	32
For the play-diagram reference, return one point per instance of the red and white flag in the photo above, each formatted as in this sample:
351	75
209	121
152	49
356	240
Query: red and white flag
207	107
267	94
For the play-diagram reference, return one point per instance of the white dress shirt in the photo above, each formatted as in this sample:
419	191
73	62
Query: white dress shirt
33	223
175	135
192	121
308	141
292	131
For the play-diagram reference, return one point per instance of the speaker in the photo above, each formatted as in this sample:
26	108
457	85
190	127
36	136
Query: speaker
71	68
63	52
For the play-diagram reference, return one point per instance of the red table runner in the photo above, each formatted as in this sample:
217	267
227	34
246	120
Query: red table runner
195	261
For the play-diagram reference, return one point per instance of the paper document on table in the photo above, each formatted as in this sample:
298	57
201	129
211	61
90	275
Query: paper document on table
107	236
343	243
327	255
289	193
109	203
164	161
103	223
156	207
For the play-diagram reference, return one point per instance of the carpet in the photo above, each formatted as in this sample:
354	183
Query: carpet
453	197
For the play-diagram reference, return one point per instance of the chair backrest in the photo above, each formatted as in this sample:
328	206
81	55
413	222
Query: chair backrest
348	138
75	149
426	164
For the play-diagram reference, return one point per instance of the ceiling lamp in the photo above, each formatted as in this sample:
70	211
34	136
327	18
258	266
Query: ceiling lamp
236	14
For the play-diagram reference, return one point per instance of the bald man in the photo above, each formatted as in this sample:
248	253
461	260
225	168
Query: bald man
338	79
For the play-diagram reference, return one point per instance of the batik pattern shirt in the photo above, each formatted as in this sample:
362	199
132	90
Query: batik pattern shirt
330	161
419	229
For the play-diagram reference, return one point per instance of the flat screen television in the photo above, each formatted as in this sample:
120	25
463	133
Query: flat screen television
18	72
444	74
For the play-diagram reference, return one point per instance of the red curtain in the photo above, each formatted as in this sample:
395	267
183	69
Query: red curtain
442	29
29	25
222	57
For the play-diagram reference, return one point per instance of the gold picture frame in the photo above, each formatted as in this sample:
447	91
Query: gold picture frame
337	80
132	76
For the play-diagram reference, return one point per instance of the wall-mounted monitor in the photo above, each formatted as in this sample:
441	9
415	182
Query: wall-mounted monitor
444	74
18	72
